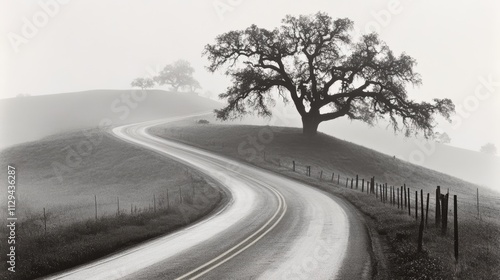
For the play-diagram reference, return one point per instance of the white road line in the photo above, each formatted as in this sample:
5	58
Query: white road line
282	206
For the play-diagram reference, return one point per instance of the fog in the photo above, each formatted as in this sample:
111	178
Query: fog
55	46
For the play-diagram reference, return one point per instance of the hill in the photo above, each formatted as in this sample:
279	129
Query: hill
468	165
394	230
31	118
273	145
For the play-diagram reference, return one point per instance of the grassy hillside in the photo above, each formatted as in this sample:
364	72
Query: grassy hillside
275	148
54	173
30	118
57	175
472	166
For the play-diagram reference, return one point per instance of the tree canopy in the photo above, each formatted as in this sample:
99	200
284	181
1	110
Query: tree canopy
489	148
178	75
313	61
442	138
143	83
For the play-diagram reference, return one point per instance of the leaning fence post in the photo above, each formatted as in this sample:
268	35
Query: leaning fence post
333	175
321	175
455	222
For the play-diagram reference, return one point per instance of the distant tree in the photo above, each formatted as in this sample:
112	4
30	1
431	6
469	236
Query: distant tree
442	138
489	148
178	75
312	61
143	83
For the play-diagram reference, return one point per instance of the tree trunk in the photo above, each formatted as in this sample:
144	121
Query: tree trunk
310	125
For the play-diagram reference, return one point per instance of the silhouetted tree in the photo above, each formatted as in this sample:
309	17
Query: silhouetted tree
178	75
312	60
489	148
143	83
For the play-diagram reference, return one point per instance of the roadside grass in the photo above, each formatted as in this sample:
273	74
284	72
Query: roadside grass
141	180
479	238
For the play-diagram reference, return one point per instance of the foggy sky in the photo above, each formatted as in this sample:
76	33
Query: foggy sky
83	45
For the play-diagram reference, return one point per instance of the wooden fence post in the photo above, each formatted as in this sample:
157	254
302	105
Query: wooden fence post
168	201
404	188
372	184
357	181
409	204
455	222
338	179
394	195
397	193
444	212
478	213
154	203
422	205
438	206
351	182
427	211
117	205
416	205
421	228
391	196
333	175
321	175
293	165
386	194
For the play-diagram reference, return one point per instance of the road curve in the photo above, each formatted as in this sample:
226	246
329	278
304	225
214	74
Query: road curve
271	228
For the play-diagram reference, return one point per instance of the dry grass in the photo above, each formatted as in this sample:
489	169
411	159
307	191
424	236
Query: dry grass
113	169
479	239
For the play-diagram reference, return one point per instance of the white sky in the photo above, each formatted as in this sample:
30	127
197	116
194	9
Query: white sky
95	44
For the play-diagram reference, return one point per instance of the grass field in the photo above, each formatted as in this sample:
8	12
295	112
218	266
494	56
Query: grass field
59	175
275	148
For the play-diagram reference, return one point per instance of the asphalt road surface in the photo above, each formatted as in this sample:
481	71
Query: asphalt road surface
271	228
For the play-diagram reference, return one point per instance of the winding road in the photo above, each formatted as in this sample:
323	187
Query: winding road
271	228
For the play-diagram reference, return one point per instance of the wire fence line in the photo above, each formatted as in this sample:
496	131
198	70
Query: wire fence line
409	199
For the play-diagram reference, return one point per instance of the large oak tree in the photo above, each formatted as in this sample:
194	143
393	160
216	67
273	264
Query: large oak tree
313	61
